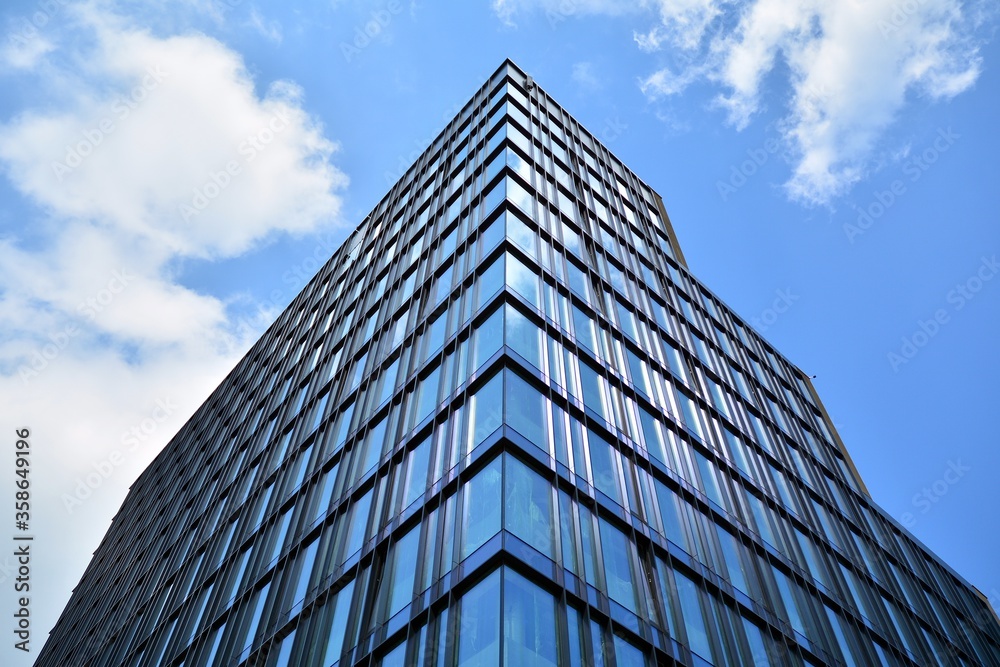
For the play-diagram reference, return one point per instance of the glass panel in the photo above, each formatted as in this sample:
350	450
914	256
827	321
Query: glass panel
593	395
485	411
479	638
529	620
405	556
568	533
481	519
285	654
257	614
491	281
584	330
758	650
708	479
603	463
787	597
522	336
845	647
492	235
617	566
358	522
525	409
215	646
627	655
694	622
521	234
305	574
519	196
589	547
599	644
338	624
731	553
494	197
576	647
416	472
427	395
396	657
523	281
489	338
528	506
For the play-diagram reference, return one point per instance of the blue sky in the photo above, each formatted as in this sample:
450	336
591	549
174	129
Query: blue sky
170	172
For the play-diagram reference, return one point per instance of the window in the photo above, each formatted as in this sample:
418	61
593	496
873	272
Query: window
338	623
593	392
491	281
479	638
529	623
731	554
604	464
396	657
485	411
356	525
257	614
788	598
427	392
694	622
522	235
482	503
618	566
488	338
671	513
528	506
523	281
308	559
525	410
522	336
400	572
627	655
416	473
285	652
584	326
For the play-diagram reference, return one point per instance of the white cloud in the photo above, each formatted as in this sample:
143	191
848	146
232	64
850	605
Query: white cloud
137	151
583	74
269	30
683	23
851	67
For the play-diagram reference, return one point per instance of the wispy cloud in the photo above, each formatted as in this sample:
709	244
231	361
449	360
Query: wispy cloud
849	68
584	76
268	29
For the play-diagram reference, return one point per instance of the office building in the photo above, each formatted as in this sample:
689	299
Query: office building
504	424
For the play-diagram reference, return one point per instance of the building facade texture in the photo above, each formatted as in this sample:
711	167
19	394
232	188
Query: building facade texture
504	424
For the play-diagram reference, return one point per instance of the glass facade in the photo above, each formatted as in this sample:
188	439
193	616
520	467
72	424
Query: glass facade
504	425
